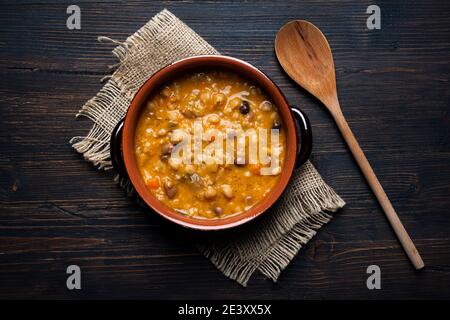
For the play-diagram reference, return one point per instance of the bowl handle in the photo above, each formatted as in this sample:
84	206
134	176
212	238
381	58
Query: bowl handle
116	150
304	136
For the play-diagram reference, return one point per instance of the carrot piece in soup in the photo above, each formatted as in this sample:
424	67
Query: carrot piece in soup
153	183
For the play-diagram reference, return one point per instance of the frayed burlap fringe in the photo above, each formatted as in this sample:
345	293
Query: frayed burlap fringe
267	244
161	41
278	235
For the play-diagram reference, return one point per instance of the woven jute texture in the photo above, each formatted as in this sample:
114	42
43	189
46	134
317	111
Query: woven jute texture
267	244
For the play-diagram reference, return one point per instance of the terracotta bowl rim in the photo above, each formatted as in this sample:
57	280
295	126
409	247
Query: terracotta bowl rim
170	72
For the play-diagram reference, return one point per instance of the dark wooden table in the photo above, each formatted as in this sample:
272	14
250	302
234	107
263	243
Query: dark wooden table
57	210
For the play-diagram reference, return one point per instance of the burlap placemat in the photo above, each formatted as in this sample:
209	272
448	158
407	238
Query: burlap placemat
267	244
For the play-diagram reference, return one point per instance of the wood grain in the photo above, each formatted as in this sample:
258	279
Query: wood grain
57	210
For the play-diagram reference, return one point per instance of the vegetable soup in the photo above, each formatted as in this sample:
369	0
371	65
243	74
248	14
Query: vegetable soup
199	111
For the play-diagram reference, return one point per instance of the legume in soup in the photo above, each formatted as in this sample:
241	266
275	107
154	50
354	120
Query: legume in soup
221	105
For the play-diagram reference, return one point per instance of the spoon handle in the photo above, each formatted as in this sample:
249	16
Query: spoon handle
377	189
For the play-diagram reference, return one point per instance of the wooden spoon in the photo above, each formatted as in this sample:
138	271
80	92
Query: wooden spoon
305	55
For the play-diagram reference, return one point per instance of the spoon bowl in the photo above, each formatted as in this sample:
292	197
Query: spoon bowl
305	55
